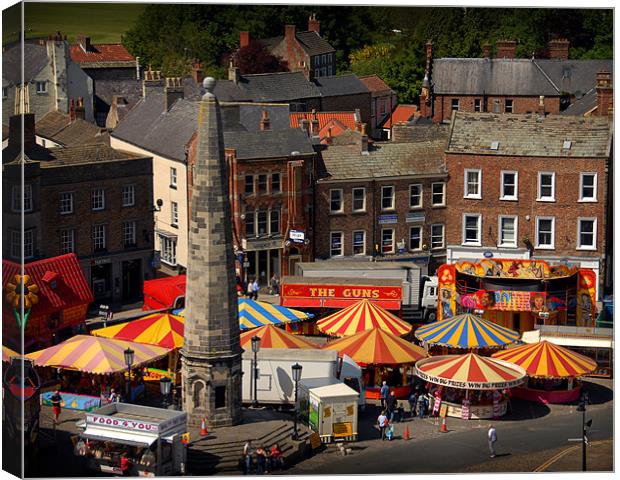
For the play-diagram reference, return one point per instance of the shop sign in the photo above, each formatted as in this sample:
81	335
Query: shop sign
101	261
297	236
156	374
342	291
123	423
342	429
488	254
414	217
251	245
388	219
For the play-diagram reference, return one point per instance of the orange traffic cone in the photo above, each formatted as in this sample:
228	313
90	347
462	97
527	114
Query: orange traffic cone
203	428
406	436
444	428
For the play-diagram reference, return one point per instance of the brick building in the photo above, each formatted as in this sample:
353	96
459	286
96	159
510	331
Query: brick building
506	84
384	102
385	199
74	202
322	127
528	186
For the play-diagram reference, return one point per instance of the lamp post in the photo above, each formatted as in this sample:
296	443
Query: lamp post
296	377
129	354
255	349
165	385
583	401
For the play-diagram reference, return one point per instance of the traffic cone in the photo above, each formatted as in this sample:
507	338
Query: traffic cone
444	428
203	428
406	436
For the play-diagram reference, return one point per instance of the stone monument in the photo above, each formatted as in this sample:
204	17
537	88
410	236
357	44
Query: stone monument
211	354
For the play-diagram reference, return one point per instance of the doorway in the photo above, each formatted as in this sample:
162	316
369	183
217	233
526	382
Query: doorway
132	280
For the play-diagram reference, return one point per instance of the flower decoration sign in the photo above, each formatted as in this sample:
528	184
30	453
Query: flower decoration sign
22	289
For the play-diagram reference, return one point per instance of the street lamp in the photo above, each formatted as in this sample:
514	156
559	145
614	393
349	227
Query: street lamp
583	400
296	377
129	354
255	349
165	385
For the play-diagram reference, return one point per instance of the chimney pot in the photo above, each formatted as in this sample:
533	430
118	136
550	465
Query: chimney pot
506	49
313	24
244	39
289	32
264	121
558	49
486	50
604	94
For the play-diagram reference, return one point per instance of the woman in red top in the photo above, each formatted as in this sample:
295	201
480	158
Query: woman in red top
125	465
276	460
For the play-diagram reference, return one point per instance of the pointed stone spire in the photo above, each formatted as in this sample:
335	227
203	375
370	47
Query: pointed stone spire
211	354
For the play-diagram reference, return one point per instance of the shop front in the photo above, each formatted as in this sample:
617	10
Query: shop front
261	261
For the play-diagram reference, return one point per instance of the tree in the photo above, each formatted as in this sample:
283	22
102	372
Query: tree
256	58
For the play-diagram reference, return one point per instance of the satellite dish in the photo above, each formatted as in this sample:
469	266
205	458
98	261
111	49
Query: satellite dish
578	94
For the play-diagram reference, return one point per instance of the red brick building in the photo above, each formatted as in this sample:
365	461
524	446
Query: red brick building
528	186
384	102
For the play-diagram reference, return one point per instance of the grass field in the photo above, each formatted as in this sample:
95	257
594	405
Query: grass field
103	22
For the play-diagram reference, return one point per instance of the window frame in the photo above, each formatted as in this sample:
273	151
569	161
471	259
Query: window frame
443	236
174	214
478	241
477	105
250	215
279	182
466	194
592	247
420	238
92	199
16	198
43	90
173	177
259	215
331	243
265	190
363	232
539	197
392	206
443	194
452	104
538	246
60	203
594	198
420	195
500	242
383	230
63	241
15	247
358	210
132	196
502	192
131	226
168	244
5	93
275	211
331	200
507	108
29	233
103	248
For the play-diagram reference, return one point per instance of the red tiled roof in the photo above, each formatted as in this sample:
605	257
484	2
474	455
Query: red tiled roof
162	292
375	84
61	282
402	113
346	118
102	52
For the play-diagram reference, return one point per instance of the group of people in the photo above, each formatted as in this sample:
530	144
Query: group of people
261	460
251	288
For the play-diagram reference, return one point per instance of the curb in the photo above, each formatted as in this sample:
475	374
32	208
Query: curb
543	467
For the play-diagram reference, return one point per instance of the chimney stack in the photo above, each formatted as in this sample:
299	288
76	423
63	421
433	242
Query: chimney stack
558	49
244	39
364	139
604	93
152	81
314	124
80	111
506	48
486	50
289	33
15	131
264	121
304	124
72	111
233	73
173	91
84	43
313	24
541	106
197	73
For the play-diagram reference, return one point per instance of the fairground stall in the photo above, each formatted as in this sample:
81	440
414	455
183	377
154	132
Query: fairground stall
471	386
553	371
383	357
150	438
518	294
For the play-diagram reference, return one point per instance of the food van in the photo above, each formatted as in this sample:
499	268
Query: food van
151	438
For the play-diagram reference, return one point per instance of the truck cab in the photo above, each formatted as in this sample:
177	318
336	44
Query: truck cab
428	298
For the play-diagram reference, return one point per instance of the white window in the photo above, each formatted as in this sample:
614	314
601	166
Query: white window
359	199
16	244
477	105
415	238
28	243
437	236
261	222
168	250
508	106
359	242
387	240
275	183
250	230
586	234
66	203
129	195
473	184
387	198
455	104
472	228
173	177
587	187
129	234
546	186
545	232
41	87
335	244
509	186
67	241
98	238
274	222
507	231
98	199
438	196
174	214
415	196
336	204
17	198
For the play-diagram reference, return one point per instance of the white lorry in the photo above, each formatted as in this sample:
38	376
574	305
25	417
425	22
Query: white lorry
275	384
419	291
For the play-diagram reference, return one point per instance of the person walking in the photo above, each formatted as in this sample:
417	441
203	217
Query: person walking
248	451
413	400
249	292
492	437
275	285
391	406
384	392
56	400
382	421
255	289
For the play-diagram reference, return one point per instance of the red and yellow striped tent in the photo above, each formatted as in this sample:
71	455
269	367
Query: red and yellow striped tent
470	372
273	337
377	347
545	359
162	329
7	353
362	316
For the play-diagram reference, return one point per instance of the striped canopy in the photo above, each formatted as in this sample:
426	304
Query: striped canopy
273	337
7	353
545	359
466	331
95	354
362	316
470	372
160	329
377	347
254	314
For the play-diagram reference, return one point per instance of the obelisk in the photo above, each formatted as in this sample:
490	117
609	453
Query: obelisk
211	354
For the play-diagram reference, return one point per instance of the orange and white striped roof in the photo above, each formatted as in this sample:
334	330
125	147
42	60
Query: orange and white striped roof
273	337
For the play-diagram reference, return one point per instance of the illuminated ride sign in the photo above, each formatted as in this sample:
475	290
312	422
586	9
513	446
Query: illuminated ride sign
339	296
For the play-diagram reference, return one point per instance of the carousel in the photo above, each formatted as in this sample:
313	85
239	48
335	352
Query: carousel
553	371
471	386
274	337
383	357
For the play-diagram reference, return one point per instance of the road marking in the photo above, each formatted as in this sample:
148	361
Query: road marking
556	457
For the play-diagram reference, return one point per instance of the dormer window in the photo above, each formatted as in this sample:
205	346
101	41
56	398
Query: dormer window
494	145
567	144
41	87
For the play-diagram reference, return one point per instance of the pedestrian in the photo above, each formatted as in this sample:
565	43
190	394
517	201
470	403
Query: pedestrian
385	391
56	400
413	400
249	291
261	460
492	437
401	413
382	421
113	396
275	285
248	451
125	465
255	289
391	406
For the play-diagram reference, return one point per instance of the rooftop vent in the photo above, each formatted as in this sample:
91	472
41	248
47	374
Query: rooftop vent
494	145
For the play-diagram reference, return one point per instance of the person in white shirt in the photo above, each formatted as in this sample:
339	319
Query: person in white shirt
492	437
382	421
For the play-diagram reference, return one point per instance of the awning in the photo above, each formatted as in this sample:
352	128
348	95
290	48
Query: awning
119	436
160	329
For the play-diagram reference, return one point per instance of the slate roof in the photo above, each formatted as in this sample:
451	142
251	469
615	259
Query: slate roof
277	87
475	76
375	84
102	55
81	154
337	85
574	75
530	135
313	43
268	143
583	105
384	159
34	59
57	126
